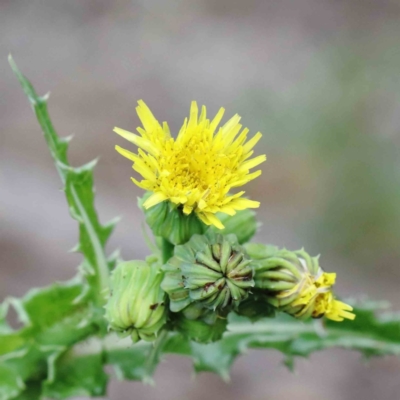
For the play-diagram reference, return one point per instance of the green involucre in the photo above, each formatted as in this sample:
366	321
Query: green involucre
282	275
169	222
136	306
210	270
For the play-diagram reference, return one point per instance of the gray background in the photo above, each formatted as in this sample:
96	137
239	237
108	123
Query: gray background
320	79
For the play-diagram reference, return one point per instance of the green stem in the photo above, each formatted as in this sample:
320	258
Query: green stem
75	181
167	250
154	355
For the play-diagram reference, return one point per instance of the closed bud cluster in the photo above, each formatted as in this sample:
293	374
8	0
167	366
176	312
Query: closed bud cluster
296	284
211	271
136	305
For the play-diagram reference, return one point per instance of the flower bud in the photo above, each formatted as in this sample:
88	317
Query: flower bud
296	284
136	305
167	220
210	270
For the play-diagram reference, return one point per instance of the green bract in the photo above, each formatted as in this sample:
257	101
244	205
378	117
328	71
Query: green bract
169	222
136	305
285	277
211	270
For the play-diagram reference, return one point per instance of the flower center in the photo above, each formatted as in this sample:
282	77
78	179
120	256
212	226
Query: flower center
196	166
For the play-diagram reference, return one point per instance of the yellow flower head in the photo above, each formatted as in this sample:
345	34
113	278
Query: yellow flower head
316	296
198	169
295	283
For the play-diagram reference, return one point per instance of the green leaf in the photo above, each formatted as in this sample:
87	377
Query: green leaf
138	361
76	372
4	327
28	364
93	235
54	315
54	318
368	334
129	361
11	383
32	391
79	192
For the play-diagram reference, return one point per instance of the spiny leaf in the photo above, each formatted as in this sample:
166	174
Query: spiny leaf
129	362
79	192
4	326
93	236
28	364
54	315
54	318
32	391
370	335
75	373
11	383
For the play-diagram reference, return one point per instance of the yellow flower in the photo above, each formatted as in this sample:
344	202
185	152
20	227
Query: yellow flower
198	169
326	304
294	282
317	295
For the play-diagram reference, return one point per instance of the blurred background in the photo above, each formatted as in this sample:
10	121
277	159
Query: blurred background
319	78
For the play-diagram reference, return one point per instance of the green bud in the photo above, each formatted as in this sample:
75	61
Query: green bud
167	220
211	270
136	305
243	224
292	281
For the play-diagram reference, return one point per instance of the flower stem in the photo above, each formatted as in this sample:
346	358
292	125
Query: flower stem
153	357
167	250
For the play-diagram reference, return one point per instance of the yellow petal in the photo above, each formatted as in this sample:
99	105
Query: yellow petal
126	153
140	184
227	210
146	117
247	179
249	164
194	111
252	142
143	169
242	204
217	119
203	114
154	199
138	141
187	209
214	220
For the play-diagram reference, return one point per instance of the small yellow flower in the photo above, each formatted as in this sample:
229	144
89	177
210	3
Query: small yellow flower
198	169
318	296
326	304
295	283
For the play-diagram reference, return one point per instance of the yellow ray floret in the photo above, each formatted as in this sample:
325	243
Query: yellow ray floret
198	169
317	294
